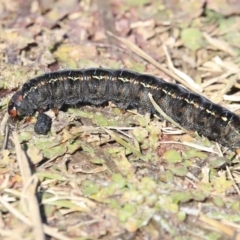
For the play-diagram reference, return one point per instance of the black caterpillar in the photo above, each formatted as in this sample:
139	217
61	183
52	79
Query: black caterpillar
126	89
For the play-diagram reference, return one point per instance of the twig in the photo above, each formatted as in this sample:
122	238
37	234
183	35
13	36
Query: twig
145	56
6	137
124	143
229	85
179	73
217	225
30	183
193	145
48	230
4	123
217	79
231	98
5	130
234	183
14	212
162	113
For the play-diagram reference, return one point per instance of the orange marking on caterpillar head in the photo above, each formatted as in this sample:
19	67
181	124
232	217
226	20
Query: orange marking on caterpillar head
13	103
12	111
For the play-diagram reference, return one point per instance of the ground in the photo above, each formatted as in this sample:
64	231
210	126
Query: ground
102	173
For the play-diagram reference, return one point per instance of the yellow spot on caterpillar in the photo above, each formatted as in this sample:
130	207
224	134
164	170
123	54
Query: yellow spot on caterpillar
210	112
224	119
123	79
55	80
98	77
146	85
75	78
164	91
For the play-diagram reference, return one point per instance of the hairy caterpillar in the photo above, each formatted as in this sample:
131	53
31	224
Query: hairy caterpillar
126	89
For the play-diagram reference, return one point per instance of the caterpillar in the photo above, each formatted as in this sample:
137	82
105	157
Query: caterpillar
126	89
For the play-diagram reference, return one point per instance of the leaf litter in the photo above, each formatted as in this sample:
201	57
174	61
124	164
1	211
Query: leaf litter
101	173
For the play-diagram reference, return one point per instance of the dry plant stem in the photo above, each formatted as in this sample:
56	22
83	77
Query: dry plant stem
145	56
162	113
193	145
4	123
177	125
229	84
48	230
123	142
22	159
234	182
179	73
217	225
6	136
231	98
5	130
14	212
217	79
30	182
220	44
33	207
39	227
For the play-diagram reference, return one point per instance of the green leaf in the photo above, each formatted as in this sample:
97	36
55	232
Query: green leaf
90	188
192	38
126	212
179	170
218	201
181	197
119	181
181	216
218	162
172	156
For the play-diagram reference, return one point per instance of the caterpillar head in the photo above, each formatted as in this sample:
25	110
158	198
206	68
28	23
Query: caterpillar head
19	106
